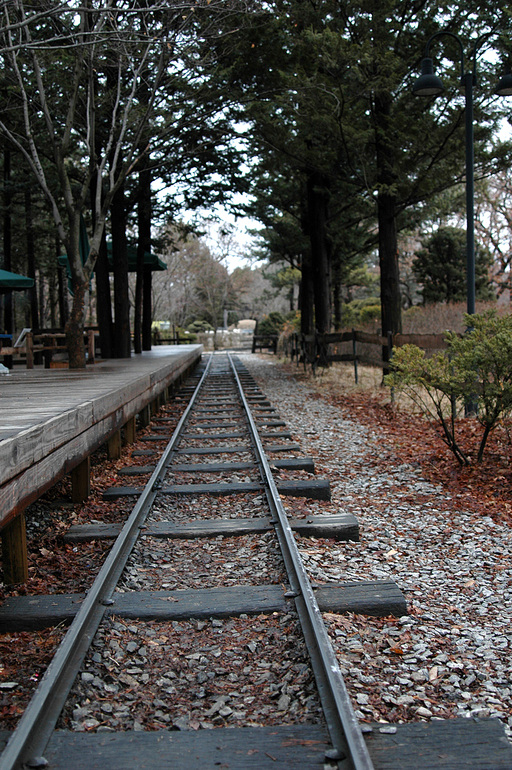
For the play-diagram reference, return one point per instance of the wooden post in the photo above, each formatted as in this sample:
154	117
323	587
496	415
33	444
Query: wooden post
130	432
390	356
154	406
145	416
29	347
90	346
114	446
14	551
354	353
81	481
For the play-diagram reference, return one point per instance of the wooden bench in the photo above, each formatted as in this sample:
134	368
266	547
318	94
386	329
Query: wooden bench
265	342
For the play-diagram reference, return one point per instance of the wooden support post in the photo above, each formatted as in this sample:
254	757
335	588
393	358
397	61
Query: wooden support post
81	481
145	416
129	432
354	353
114	446
90	346
29	347
14	551
154	406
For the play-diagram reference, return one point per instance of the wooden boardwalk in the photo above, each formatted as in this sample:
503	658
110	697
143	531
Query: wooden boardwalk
51	420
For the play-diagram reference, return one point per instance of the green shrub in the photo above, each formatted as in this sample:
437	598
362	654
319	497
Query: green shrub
360	311
475	368
271	323
199	325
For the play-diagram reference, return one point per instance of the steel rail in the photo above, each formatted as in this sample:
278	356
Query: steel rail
342	723
29	740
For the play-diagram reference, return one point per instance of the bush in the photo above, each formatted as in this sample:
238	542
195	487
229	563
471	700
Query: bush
271	323
200	325
476	368
360	312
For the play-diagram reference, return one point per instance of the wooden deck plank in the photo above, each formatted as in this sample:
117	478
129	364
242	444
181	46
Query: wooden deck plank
62	415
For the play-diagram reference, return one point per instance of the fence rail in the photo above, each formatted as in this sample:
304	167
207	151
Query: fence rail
354	345
47	343
265	341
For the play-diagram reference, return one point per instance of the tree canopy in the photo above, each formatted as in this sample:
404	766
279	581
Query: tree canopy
304	107
440	266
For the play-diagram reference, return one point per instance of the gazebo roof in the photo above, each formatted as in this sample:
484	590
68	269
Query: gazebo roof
14	282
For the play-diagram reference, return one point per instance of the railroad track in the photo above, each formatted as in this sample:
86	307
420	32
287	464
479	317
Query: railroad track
223	459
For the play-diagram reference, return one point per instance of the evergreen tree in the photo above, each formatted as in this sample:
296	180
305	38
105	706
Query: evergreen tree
441	267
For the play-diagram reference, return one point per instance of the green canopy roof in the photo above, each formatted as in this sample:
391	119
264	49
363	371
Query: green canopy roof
151	261
13	282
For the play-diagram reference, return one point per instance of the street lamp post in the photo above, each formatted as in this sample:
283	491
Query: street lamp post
428	84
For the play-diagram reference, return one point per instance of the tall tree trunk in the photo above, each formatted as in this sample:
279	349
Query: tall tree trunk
386	212
104	301
41	301
120	263
317	197
63	287
80	286
52	296
103	297
75	327
336	301
147	315
389	270
31	261
142	339
306	299
7	237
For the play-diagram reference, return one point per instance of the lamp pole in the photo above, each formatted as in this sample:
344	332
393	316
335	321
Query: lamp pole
428	84
470	194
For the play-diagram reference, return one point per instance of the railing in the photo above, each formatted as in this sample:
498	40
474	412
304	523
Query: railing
357	346
47	343
265	341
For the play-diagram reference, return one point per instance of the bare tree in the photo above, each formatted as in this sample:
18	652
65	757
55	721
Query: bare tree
75	71
494	226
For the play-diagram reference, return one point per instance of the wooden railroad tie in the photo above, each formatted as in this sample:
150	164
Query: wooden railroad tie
451	744
341	526
294	463
315	489
32	613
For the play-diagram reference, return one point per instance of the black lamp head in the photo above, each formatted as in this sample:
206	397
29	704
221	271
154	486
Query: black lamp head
504	87
428	84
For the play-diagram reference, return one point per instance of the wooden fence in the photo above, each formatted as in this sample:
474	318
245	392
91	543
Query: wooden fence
354	345
46	344
265	342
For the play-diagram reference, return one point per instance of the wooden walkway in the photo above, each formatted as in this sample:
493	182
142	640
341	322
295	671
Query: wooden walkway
51	420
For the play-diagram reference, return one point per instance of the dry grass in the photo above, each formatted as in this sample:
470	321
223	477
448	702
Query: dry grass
436	319
339	379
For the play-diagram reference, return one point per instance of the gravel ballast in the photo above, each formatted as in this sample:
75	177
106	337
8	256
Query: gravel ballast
450	656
